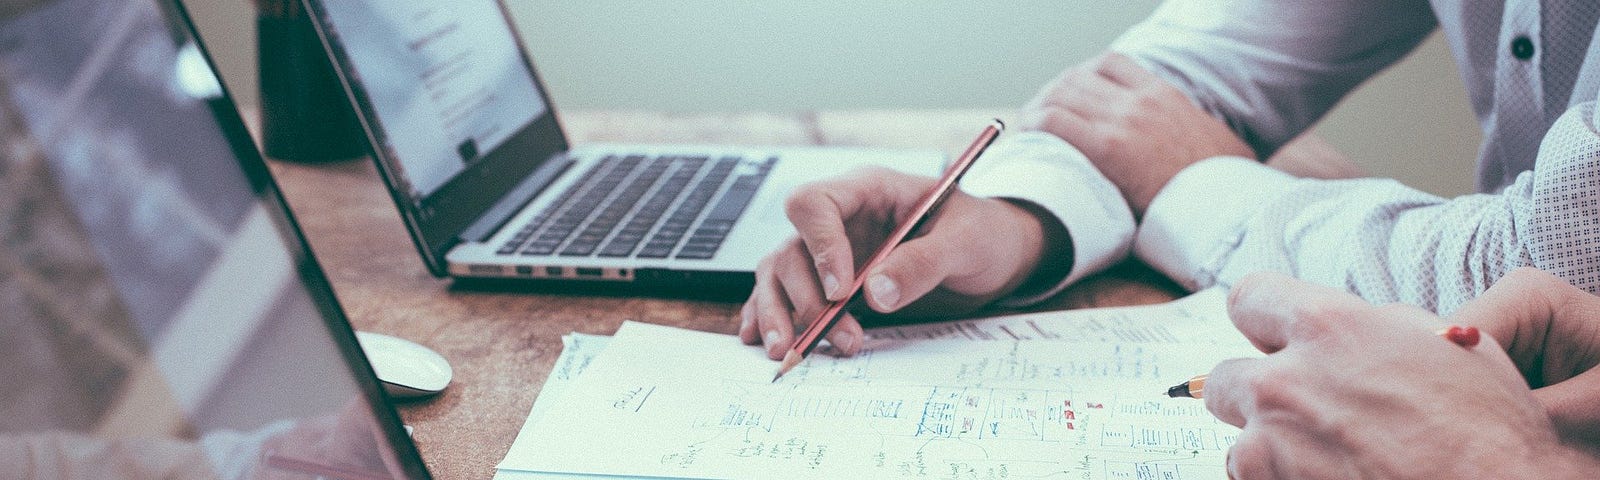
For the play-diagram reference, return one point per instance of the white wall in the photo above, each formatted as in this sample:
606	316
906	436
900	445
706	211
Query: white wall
1411	123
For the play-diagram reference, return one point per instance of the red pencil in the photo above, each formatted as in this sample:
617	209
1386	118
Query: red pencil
925	210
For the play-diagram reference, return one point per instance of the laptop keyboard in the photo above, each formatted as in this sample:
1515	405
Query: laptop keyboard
644	207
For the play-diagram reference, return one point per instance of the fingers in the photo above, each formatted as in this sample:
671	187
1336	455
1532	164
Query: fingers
1086	92
918	266
1061	122
1517	311
819	211
1227	389
846	336
1124	71
1574	408
1073	106
911	271
1250	456
787	292
1271	309
748	333
769	305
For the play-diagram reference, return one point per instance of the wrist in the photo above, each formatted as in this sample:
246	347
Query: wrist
1049	256
1155	179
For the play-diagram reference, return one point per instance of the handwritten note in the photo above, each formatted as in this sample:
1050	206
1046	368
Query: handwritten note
665	402
1198	319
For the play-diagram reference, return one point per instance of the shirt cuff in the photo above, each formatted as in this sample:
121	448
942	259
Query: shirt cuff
1042	169
1199	217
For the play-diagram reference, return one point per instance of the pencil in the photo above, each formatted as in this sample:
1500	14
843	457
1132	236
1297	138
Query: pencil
1467	337
925	210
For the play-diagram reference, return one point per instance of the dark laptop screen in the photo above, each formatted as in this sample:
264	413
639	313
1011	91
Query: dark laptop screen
451	104
160	316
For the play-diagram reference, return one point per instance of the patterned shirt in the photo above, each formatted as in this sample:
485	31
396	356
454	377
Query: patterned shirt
1271	69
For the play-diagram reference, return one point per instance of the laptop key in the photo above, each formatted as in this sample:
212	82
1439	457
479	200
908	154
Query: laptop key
618	249
737	198
696	253
577	249
540	248
654	250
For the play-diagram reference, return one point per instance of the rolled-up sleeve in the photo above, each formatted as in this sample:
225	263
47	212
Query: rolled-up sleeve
1224	218
1041	169
1271	68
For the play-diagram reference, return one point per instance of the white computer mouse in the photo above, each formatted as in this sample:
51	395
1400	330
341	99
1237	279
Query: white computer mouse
406	369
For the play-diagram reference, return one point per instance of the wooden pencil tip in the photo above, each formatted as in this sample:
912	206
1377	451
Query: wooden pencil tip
789	361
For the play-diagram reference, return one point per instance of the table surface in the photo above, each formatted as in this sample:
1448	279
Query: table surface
502	345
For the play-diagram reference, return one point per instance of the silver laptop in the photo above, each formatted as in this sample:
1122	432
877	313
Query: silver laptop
161	315
489	186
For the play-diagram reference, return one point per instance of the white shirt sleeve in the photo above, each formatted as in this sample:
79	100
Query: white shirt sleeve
1041	169
1223	218
1270	68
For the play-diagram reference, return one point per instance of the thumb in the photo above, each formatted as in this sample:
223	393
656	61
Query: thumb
912	270
1573	407
1515	312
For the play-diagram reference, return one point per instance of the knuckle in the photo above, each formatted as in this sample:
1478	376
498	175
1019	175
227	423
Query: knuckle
1102	64
768	266
799	202
770	315
1249	457
1534	277
1109	138
1054	121
1275	390
1312	320
764	269
1146	102
1033	117
878	172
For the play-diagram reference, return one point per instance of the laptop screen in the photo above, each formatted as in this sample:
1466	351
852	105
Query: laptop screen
161	316
451	105
446	80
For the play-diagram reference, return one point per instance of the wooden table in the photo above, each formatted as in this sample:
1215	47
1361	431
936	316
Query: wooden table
503	345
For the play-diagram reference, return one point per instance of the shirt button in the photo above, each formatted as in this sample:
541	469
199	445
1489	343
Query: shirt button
1522	48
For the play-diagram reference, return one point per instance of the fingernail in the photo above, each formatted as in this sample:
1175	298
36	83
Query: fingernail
884	291
772	337
830	286
847	346
744	320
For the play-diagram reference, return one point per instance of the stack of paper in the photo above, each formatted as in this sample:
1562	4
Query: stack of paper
1073	394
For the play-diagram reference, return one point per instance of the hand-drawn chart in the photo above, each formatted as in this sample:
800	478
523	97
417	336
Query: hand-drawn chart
673	403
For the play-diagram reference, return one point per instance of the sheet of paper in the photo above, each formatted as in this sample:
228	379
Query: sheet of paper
578	350
1201	318
667	402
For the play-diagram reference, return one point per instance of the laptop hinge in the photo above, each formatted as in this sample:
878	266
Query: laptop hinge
518	197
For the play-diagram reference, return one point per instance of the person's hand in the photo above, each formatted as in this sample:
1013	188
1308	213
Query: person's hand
975	250
1350	390
1136	128
1551	330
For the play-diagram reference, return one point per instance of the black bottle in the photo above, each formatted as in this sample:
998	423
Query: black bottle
305	115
